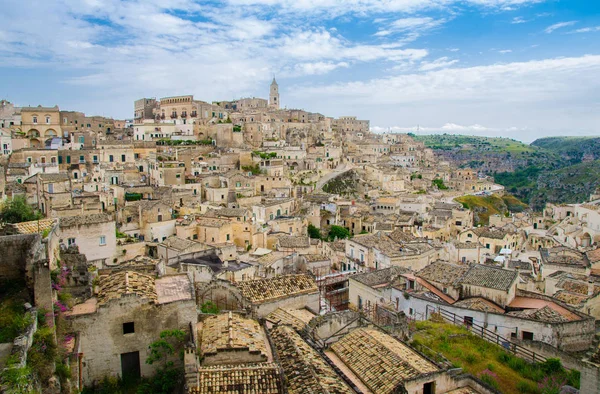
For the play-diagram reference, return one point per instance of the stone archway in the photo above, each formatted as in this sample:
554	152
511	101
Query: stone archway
586	240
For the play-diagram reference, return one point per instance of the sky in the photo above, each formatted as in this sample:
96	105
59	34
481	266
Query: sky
522	69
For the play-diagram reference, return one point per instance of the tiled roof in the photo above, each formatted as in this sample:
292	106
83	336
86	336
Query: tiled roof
490	277
401	236
380	277
315	257
479	304
260	378
593	255
522	265
283	316
95	218
230	331
570	298
380	361
444	273
304	369
126	283
291	241
545	314
34	226
263	290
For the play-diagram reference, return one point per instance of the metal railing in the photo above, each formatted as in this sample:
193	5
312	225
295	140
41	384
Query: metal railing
486	334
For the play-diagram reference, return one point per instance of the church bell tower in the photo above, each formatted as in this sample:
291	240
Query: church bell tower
274	95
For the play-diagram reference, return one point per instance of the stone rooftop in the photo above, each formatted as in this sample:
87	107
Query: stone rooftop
490	277
444	273
305	370
227	212
264	290
490	232
545	314
95	218
564	256
380	277
380	361
125	283
479	304
262	378
230	331
291	241
173	288
315	257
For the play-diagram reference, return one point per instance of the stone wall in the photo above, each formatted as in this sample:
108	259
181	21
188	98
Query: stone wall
19	252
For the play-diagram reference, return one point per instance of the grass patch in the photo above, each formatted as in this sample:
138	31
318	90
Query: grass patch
490	363
13	320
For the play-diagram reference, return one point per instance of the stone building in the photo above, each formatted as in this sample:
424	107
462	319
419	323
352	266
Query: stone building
94	234
116	327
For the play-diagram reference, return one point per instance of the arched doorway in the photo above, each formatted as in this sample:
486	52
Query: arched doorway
586	240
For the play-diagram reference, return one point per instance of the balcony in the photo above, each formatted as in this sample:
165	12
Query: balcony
194	114
174	115
162	116
184	114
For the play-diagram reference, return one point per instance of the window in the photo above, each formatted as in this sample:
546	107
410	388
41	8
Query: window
60	159
35	119
129	218
177	176
71	241
81	139
160	218
111	158
123	158
102	240
47	120
68	159
95	159
228	237
128	328
527	336
82	159
360	302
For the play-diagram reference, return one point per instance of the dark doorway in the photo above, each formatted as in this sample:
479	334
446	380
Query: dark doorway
130	365
468	321
429	388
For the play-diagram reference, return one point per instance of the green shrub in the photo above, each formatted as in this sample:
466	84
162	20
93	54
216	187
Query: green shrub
552	365
526	387
517	364
63	371
470	358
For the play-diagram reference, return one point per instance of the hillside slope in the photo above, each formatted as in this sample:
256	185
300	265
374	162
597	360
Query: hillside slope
485	206
572	149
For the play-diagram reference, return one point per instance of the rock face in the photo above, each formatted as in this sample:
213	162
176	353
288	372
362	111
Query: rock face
344	184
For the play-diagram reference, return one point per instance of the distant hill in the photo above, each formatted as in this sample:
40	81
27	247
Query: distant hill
572	149
553	169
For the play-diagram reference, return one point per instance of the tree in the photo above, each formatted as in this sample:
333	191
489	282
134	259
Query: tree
314	232
17	210
338	232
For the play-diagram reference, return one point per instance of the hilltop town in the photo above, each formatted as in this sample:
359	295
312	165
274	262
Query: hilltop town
244	247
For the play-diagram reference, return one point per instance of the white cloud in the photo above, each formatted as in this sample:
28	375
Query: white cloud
559	25
319	67
442	62
412	27
504	51
518	19
586	30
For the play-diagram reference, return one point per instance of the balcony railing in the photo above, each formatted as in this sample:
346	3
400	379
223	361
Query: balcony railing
173	115
162	116
194	114
184	114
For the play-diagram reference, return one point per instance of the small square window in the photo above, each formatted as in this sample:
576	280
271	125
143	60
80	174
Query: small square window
102	240
128	328
71	241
